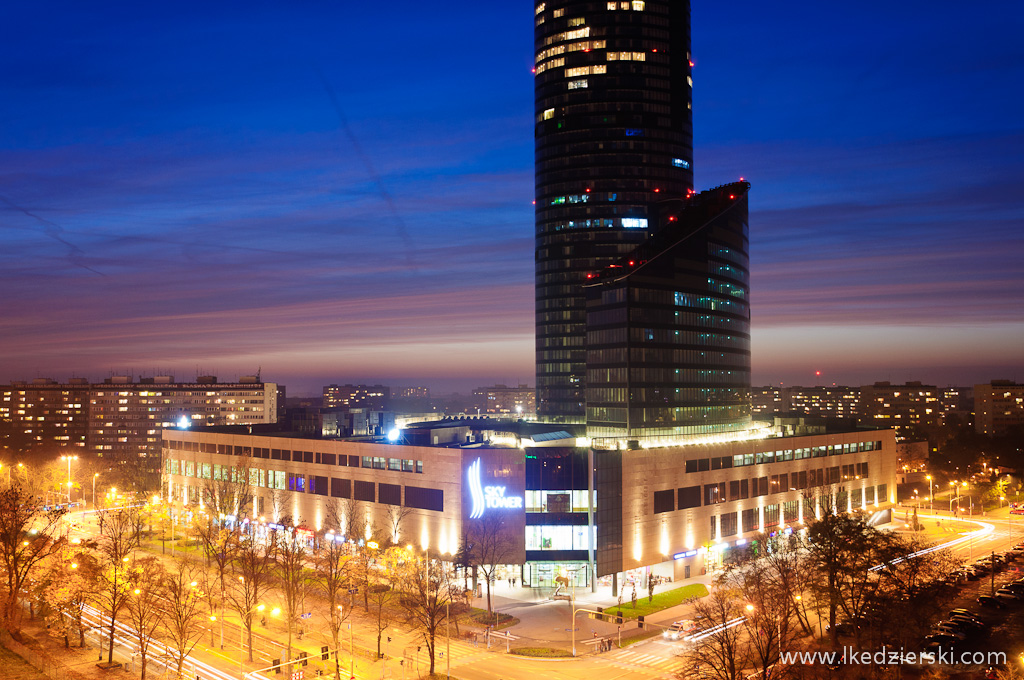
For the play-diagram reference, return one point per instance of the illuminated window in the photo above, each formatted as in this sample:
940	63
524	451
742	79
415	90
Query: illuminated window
539	8
578	21
554	63
638	5
680	163
613	5
549	114
577	84
689	80
558	12
634	223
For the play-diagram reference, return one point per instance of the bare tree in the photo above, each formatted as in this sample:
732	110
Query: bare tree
331	577
70	585
489	545
841	549
184	619
719	654
219	544
229	492
29	535
254	561
145	612
427	588
353	519
118	540
768	619
291	560
395	517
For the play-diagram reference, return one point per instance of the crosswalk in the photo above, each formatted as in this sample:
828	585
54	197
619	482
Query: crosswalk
637	658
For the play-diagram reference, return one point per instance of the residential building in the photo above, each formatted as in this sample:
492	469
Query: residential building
521	400
374	397
998	406
120	418
900	406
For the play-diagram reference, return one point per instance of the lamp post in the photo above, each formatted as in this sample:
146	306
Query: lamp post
69	459
94	476
931	494
241	632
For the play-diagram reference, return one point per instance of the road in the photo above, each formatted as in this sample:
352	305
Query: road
656	658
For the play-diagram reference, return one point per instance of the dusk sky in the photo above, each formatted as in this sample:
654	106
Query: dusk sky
341	192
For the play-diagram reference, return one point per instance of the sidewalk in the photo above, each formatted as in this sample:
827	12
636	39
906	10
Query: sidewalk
545	622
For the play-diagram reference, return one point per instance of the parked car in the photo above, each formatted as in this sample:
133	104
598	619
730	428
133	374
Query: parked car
1009	594
970	622
962	611
848	627
990	601
948	628
943	639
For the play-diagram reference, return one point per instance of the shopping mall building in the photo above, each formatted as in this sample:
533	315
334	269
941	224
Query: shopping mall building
602	516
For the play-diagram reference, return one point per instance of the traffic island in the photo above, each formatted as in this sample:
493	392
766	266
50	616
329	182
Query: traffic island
542	652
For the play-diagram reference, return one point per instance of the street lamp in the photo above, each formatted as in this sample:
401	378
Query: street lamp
69	459
94	476
931	494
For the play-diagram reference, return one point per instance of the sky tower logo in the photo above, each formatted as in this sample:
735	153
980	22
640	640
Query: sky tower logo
488	496
476	491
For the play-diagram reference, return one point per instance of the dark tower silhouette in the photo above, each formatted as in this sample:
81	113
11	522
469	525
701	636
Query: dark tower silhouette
614	137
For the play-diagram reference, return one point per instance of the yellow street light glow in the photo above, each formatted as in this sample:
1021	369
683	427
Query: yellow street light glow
275	611
750	607
372	545
74	565
213	618
138	592
260	608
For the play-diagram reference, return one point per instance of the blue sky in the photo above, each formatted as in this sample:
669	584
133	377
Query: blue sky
342	193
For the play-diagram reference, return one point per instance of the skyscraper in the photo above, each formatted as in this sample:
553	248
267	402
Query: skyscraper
613	137
668	326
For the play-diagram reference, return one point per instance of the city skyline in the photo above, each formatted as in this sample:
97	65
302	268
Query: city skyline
215	192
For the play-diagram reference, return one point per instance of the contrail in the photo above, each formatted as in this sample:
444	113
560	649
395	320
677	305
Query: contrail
399	223
55	232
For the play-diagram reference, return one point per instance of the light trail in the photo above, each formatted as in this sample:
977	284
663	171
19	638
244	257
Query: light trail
984	530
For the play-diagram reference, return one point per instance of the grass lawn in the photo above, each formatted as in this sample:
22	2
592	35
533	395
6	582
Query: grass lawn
669	598
498	620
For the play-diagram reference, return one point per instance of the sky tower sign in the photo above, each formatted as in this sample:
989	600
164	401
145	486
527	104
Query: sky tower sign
488	497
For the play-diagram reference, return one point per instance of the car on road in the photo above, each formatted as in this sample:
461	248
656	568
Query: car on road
679	629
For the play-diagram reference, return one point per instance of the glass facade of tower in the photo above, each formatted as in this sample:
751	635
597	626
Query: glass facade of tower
668	327
613	138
